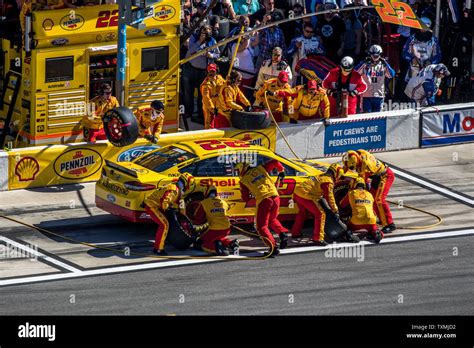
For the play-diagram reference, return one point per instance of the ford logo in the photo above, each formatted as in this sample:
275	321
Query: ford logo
111	198
60	42
152	32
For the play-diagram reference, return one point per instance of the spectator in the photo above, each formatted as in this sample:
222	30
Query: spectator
421	49
270	38
331	28
272	67
246	7
194	72
374	70
224	8
244	21
424	87
353	35
245	64
200	9
294	28
262	15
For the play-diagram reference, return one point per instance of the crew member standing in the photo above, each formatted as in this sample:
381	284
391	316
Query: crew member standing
93	126
363	217
210	93
343	82
163	199
310	103
257	181
307	197
380	177
214	210
150	120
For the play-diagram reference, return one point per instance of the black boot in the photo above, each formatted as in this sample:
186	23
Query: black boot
283	240
389	228
351	237
234	247
160	252
272	252
320	242
220	249
378	236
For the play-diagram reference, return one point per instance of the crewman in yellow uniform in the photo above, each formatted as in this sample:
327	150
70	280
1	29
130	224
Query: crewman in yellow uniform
362	206
150	120
210	94
310	103
257	181
214	210
230	98
279	98
165	198
92	124
307	196
381	178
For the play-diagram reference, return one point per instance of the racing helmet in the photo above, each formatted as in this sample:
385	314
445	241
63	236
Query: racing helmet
347	63
242	167
427	21
441	69
188	181
157	105
375	50
210	190
351	160
356	183
336	170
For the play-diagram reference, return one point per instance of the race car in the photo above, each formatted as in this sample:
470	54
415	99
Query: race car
123	186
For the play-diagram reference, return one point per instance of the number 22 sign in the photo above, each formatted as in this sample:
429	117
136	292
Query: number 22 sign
397	12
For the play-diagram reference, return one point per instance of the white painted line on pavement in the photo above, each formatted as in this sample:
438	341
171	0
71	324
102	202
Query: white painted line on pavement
38	254
161	264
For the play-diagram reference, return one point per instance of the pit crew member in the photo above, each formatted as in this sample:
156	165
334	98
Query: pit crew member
311	103
424	87
150	120
278	96
257	181
210	93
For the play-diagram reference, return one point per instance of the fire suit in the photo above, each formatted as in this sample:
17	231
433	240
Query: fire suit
93	126
310	106
423	88
336	82
156	205
382	179
424	48
148	123
258	182
210	93
214	210
230	98
306	197
269	70
362	205
279	102
374	75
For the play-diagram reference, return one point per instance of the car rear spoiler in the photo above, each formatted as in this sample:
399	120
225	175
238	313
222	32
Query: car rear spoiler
121	169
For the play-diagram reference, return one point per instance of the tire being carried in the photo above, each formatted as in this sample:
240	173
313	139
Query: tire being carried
250	120
120	126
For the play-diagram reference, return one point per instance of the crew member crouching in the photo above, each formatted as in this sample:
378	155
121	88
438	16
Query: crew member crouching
278	96
150	120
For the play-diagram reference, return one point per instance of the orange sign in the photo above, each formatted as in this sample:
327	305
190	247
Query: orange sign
398	12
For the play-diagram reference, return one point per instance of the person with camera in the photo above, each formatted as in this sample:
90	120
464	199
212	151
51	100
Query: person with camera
311	103
271	68
271	37
279	98
194	72
163	200
230	98
150	120
374	70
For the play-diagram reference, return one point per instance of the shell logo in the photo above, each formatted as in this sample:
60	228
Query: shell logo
78	163
164	13
27	168
72	22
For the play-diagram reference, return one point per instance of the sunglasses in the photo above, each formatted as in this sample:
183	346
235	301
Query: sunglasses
309	31
276	55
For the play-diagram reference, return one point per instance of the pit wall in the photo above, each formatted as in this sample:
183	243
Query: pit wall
376	132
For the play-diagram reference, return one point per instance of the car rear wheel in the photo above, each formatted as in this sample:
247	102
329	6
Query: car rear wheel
120	126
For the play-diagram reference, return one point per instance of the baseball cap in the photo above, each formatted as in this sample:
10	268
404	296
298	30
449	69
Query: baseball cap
212	67
202	4
330	6
283	76
312	84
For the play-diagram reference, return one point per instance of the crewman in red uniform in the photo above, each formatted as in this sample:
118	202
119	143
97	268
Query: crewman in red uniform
307	197
210	88
379	176
93	126
363	217
150	120
257	181
163	199
213	209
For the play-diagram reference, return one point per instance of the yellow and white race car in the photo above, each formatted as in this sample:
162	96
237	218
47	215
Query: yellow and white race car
123	186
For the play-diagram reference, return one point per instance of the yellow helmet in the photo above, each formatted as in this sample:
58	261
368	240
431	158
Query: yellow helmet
210	189
336	170
188	181
351	160
242	167
357	182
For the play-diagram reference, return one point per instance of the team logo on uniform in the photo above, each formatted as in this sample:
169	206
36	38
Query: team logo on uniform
78	163
72	22
164	13
27	168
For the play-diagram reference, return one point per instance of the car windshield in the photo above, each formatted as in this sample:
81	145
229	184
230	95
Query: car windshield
164	158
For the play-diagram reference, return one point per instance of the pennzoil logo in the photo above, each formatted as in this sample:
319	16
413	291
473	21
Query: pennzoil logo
164	13
78	163
72	22
254	138
27	168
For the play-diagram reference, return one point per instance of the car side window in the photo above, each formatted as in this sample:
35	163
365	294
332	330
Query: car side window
209	167
289	171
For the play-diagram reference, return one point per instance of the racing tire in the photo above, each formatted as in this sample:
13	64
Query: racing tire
334	228
181	232
120	126
250	120
192	202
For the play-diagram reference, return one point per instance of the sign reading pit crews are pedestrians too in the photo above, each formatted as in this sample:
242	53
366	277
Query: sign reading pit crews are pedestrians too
354	135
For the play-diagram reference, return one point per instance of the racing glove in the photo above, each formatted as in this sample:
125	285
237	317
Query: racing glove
249	108
281	176
354	93
151	138
332	92
326	122
292	120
